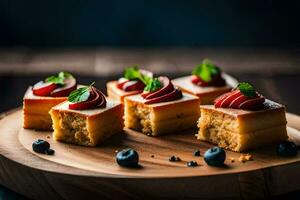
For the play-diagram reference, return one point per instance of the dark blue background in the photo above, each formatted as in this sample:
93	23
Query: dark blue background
149	23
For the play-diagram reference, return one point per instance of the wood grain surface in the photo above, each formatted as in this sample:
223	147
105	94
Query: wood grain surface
109	61
76	172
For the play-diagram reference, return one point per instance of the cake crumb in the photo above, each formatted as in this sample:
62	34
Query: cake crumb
248	157
245	157
152	156
242	159
48	136
116	151
172	159
232	160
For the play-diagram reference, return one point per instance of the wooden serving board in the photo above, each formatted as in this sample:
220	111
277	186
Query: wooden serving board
77	172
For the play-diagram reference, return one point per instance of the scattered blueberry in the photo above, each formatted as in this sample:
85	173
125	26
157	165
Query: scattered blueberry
197	153
192	164
127	158
50	152
215	156
40	146
172	159
287	149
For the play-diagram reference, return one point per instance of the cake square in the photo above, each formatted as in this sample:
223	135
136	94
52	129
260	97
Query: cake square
161	118
115	93
36	110
240	130
208	94
88	127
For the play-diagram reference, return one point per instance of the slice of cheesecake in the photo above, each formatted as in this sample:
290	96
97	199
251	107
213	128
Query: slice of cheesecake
88	127
207	82
240	130
163	117
133	82
42	96
36	110
208	94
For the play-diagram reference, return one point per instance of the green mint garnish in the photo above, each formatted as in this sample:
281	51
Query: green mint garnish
153	85
81	94
206	70
133	73
247	89
59	78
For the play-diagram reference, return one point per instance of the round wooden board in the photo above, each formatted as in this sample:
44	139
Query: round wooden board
77	172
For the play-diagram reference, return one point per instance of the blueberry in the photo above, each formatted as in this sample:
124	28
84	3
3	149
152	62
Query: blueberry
286	149
192	164
128	158
40	146
197	153
215	156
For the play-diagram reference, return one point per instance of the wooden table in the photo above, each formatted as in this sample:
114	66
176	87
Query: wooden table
275	72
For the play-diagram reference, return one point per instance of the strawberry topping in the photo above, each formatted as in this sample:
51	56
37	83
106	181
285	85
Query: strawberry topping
96	100
238	100
60	85
134	80
216	80
166	93
43	89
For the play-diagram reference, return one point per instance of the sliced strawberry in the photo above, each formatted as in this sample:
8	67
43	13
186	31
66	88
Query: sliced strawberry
96	99
64	91
43	89
167	87
195	79
219	99
252	104
237	101
175	94
203	84
233	95
121	82
216	80
135	85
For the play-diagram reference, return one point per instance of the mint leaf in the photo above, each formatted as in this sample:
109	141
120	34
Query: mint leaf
247	89
133	73
153	85
64	75
59	78
206	70
81	94
55	79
